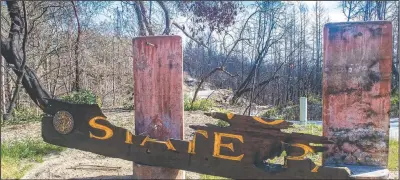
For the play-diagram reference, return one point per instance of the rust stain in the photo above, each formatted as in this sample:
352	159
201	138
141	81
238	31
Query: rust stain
356	84
158	86
158	95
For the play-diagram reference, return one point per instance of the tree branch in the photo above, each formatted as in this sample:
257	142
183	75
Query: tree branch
146	23
189	36
142	31
167	18
205	78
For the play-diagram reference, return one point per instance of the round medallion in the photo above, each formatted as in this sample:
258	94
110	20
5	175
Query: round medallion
63	122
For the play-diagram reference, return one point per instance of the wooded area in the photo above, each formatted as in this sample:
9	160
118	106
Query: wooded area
269	52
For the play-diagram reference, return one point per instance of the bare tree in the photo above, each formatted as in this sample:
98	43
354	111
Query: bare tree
268	40
350	9
14	53
77	82
2	90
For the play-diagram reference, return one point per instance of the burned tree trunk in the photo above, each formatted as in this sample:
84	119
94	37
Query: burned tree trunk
11	50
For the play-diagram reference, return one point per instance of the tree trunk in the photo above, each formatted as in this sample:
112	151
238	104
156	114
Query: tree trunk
11	51
2	89
76	86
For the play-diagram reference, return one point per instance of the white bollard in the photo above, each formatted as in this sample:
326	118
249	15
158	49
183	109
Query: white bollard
303	110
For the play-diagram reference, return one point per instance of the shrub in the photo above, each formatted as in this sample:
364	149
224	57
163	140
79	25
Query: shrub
394	105
82	97
200	104
313	99
222	123
23	114
271	113
290	112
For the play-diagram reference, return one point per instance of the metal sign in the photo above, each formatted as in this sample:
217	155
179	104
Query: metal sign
237	151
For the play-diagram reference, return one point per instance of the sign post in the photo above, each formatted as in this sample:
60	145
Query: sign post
303	110
158	96
356	93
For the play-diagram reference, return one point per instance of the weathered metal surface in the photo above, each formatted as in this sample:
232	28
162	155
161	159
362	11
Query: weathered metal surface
238	151
356	92
63	122
158	71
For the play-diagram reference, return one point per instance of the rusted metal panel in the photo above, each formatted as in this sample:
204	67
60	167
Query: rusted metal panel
356	92
158	92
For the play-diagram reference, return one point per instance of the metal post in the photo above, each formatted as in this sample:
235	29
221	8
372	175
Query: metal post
303	110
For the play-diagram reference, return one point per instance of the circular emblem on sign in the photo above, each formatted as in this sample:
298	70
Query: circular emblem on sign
63	122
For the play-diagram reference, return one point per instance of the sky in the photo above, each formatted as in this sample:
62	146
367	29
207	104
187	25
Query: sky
333	11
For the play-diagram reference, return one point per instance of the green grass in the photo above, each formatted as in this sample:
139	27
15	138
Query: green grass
393	164
200	104
205	176
23	114
18	157
306	129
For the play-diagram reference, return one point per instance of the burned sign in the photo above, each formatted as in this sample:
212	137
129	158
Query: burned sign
237	151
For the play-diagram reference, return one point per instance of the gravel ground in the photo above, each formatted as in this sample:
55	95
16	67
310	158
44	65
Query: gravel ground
19	132
74	164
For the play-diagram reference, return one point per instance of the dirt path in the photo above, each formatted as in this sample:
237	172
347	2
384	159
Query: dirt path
20	132
73	163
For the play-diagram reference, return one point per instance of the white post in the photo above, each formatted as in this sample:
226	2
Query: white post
303	110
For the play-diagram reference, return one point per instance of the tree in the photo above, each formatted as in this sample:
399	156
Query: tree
13	52
350	9
76	86
213	17
268	39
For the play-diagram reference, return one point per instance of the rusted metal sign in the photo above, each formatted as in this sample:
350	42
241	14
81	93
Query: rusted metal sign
237	151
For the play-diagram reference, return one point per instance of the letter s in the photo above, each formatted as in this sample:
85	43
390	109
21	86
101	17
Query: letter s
93	124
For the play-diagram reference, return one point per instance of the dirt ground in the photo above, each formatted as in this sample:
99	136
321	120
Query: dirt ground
76	164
